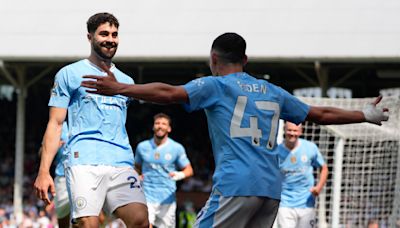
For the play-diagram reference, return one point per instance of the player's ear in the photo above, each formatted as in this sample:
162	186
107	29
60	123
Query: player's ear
214	58
245	60
301	128
89	36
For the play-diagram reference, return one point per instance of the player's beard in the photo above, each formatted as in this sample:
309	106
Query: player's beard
160	136
292	139
97	47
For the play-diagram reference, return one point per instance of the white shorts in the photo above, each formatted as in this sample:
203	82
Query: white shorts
61	201
162	215
92	188
296	217
238	212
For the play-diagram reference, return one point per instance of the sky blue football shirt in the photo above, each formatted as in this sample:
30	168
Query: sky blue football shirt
157	163
297	168
243	115
59	171
97	134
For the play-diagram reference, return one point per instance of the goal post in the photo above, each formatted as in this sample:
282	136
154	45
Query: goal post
364	166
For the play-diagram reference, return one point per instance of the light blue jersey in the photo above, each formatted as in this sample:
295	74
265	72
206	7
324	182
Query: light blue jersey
157	163
243	114
297	168
97	134
60	153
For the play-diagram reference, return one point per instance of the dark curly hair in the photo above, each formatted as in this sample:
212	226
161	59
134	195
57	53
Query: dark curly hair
100	18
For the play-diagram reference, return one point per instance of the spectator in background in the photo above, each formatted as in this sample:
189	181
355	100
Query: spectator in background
187	217
373	223
43	220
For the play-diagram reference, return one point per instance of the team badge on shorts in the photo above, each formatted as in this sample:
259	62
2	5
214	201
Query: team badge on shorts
80	203
293	159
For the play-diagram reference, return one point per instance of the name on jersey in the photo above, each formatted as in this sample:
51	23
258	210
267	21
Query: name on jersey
294	172
253	88
107	102
156	166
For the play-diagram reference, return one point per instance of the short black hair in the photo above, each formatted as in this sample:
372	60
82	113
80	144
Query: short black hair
231	47
100	18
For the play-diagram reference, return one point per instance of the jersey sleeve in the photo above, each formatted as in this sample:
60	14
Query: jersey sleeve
64	132
138	157
293	110
318	159
182	160
130	99
61	92
202	93
129	80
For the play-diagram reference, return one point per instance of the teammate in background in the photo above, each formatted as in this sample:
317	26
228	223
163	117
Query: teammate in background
61	201
99	159
159	160
298	158
243	115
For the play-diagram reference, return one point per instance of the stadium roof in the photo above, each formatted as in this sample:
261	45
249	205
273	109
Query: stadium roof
183	30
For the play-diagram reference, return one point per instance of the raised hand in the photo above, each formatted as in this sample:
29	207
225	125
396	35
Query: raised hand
374	114
105	85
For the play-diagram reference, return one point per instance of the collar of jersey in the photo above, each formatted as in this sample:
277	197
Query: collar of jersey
237	74
87	61
241	74
295	148
160	146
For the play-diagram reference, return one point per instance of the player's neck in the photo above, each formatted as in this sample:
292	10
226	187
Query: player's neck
96	60
229	69
160	141
291	145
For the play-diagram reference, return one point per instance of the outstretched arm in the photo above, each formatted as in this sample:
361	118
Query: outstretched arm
153	92
51	143
331	115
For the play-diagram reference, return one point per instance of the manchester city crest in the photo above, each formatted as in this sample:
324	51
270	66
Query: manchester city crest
168	156
304	158
80	202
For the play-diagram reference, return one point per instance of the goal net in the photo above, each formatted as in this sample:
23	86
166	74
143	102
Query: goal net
364	167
